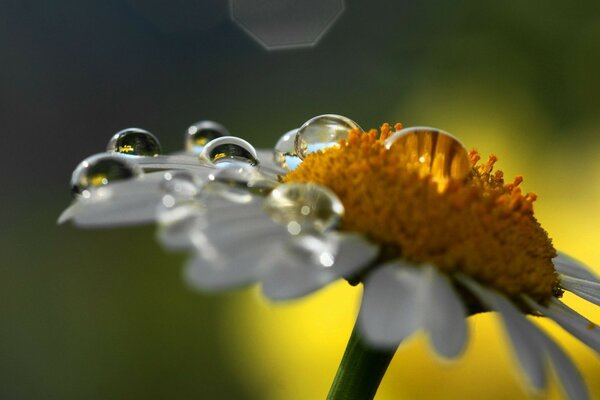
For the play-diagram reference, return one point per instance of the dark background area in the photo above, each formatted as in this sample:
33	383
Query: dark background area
104	314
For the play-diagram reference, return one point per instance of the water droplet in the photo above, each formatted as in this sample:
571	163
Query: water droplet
432	151
284	153
199	134
100	170
180	183
322	132
304	207
227	150
134	142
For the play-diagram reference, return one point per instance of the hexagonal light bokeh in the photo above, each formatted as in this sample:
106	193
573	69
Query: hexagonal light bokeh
285	24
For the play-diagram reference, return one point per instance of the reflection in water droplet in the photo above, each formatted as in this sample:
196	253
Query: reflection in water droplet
304	207
238	182
134	142
227	150
180	183
99	170
199	134
432	151
322	132
284	153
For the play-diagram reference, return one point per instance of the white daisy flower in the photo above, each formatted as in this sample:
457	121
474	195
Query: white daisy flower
434	235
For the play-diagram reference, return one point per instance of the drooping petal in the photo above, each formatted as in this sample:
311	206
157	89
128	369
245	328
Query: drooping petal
522	333
390	309
444	314
580	327
568	266
568	375
308	262
581	287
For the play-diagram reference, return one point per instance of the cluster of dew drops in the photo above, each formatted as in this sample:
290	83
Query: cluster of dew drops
236	163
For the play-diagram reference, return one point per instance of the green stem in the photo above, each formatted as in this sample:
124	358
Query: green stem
360	371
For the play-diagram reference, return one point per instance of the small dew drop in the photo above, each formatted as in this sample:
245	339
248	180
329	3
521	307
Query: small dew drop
321	132
199	134
284	153
168	201
432	151
229	150
180	183
308	207
326	259
99	170
294	228
134	142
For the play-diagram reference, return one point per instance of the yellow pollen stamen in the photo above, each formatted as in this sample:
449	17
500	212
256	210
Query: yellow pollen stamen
479	226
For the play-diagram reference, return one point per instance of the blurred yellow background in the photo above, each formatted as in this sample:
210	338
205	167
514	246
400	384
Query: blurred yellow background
105	314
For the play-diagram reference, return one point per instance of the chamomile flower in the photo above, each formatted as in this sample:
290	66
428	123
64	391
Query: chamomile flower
434	234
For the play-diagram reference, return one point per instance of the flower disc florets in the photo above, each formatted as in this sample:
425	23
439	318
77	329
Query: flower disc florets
478	226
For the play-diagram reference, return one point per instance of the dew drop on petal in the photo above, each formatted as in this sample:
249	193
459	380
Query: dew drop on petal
321	132
199	134
304	207
134	142
100	170
284	153
432	151
180	183
226	150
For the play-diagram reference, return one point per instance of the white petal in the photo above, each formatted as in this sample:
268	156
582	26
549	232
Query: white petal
177	225
582	288
570	378
578	326
255	230
567	265
312	262
390	309
231	270
127	211
523	334
67	214
444	314
130	202
178	161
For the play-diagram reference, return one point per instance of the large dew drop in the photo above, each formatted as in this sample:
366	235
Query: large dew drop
199	134
322	132
304	208
229	149
432	151
284	153
134	142
100	170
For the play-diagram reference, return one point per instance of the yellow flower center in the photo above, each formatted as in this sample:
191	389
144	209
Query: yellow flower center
478	226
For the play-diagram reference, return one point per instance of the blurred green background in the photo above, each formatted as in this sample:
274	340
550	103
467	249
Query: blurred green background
105	314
